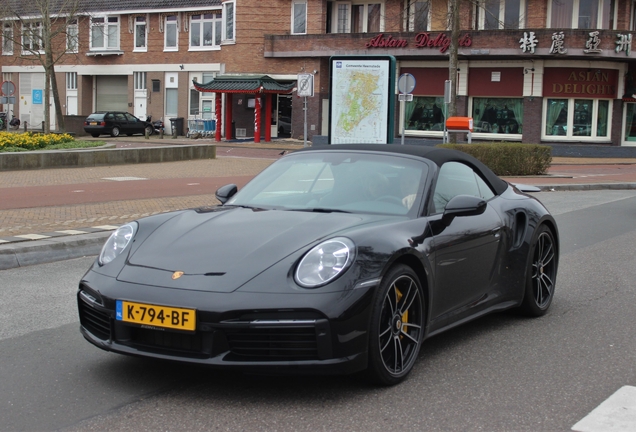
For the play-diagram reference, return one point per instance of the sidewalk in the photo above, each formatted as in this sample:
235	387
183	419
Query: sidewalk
34	229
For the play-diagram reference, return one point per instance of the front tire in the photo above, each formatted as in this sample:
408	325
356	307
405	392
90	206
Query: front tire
397	326
115	132
541	274
148	130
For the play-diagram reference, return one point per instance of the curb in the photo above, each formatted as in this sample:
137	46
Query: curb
586	187
54	249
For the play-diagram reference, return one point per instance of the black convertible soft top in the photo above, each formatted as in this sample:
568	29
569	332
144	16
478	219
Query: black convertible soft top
439	156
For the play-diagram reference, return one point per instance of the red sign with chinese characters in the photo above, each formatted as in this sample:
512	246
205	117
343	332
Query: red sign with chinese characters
580	83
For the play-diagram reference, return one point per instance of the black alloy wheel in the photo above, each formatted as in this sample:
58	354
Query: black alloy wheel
541	274
115	131
397	325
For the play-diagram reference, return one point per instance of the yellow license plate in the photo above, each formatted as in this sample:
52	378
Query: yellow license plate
156	316
93	123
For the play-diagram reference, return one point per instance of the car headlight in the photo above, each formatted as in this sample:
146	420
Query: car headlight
117	242
325	262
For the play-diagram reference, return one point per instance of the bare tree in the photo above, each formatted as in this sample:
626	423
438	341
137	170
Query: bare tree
40	30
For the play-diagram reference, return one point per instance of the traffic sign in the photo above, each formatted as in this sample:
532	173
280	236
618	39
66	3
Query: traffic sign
8	88
305	85
406	83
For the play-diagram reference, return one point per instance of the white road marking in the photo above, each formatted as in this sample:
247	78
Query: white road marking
616	414
124	178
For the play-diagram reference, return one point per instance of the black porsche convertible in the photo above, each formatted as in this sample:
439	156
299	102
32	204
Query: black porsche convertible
334	259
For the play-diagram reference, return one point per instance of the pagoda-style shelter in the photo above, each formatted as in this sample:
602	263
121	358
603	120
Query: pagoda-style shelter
244	84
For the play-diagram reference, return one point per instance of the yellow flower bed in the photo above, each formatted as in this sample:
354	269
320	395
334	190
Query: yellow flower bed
32	141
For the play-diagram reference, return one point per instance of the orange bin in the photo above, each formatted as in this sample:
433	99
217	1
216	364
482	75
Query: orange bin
459	124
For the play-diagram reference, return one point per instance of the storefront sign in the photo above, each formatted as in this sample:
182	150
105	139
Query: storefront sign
421	40
573	82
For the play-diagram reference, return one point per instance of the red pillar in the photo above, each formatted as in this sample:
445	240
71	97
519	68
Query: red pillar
257	118
268	117
219	116
228	116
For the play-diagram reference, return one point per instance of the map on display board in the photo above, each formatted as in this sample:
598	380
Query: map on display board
361	99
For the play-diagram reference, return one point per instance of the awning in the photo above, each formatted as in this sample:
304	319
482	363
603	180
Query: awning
245	84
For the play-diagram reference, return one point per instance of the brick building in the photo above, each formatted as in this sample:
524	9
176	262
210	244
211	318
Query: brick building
529	70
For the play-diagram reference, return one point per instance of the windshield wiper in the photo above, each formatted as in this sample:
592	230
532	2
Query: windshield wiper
321	210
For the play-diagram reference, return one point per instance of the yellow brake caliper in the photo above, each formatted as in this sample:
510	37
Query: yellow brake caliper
405	315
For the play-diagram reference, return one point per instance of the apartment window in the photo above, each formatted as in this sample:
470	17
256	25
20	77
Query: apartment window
418	16
582	14
205	31
105	33
7	38
170	31
229	21
32	36
577	118
500	14
299	17
72	35
140	80
71	80
356	17
141	34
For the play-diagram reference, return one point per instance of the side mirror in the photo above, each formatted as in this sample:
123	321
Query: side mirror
463	205
226	192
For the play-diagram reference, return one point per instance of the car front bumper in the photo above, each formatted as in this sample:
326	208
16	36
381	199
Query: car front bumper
279	333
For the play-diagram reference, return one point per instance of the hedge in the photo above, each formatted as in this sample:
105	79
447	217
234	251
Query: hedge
509	159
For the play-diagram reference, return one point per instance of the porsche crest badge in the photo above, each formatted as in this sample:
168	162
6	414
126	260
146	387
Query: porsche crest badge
177	275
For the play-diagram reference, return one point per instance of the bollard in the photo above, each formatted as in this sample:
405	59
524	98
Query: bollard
147	135
174	133
161	133
25	126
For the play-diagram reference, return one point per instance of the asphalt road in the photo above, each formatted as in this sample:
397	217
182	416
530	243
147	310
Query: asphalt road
502	372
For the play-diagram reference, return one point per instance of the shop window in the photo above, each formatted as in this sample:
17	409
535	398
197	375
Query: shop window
356	17
500	14
299	17
425	114
577	118
582	14
630	122
498	115
105	33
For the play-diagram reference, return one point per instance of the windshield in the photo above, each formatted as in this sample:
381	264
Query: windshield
337	181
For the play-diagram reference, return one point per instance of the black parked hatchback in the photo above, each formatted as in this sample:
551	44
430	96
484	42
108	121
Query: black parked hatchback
115	123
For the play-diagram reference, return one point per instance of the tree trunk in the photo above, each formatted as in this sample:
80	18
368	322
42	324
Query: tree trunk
59	114
453	63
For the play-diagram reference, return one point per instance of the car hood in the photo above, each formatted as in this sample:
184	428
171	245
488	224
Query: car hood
221	250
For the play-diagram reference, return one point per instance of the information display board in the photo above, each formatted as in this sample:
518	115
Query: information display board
361	99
